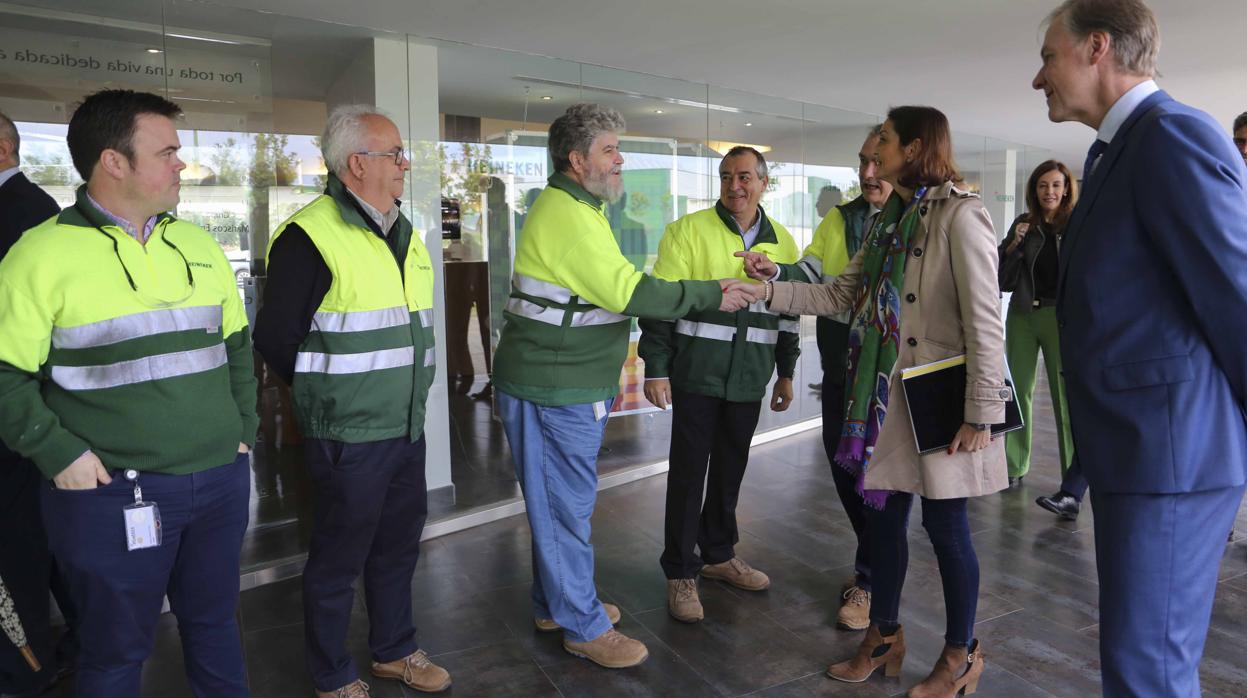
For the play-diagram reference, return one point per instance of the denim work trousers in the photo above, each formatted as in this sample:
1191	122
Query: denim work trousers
949	529
708	435
119	592
846	483
555	450
371	504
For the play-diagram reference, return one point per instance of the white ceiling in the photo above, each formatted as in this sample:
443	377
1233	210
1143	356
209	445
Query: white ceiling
974	59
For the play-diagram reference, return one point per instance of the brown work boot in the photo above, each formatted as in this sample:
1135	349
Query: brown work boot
738	573
956	672
874	652
683	602
854	609
416	671
612	649
354	689
547	625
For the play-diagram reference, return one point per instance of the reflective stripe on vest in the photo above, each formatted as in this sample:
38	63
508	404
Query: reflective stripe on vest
361	321
540	289
145	324
554	316
426	317
141	370
316	362
723	333
812	266
430	357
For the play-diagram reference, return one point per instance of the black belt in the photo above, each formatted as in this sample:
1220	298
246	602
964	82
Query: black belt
1043	303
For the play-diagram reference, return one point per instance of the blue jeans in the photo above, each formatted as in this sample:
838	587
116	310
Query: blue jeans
119	592
949	529
555	450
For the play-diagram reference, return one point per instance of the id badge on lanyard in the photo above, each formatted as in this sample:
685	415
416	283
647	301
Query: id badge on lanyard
142	518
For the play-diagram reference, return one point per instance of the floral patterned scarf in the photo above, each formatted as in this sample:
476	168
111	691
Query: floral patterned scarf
874	338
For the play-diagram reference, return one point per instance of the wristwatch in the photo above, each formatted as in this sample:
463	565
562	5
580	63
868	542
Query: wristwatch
982	427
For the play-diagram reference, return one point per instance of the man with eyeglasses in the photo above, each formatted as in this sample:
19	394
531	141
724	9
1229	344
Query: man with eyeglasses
347	322
126	377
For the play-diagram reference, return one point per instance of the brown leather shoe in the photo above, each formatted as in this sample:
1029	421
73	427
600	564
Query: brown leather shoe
874	652
355	689
854	609
612	649
738	573
956	672
683	602
416	671
547	625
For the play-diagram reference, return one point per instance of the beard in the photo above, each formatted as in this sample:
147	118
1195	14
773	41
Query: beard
603	185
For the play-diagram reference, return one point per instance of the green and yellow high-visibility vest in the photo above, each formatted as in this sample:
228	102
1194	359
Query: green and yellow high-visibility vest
363	372
724	355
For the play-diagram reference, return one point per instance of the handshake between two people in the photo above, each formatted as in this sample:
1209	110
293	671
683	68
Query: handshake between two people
739	294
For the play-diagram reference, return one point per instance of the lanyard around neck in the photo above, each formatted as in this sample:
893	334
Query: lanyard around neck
148	299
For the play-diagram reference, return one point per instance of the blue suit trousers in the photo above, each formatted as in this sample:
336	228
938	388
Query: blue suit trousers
1158	557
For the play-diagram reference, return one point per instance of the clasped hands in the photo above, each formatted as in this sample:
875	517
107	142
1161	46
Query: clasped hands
739	294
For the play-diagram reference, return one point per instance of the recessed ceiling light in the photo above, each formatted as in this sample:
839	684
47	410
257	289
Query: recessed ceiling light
547	98
657	111
154	50
749	123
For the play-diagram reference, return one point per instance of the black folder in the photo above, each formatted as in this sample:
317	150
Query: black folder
935	394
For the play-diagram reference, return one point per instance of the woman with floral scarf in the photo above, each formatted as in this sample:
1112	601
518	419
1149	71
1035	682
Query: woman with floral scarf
922	288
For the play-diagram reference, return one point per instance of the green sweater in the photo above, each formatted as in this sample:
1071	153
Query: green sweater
573	294
106	345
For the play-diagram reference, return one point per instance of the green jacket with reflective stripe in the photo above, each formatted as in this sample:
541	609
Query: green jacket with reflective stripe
363	372
572	296
107	345
725	355
836	239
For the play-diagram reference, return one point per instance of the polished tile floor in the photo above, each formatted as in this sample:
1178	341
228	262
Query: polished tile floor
1036	616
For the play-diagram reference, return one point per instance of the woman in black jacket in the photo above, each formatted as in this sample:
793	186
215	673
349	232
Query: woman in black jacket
1029	268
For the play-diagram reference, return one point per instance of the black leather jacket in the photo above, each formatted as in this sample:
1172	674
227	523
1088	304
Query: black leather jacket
1017	268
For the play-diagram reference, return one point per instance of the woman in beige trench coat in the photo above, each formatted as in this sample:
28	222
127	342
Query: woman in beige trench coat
922	288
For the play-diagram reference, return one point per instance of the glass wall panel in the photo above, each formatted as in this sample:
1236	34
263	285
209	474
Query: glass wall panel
495	108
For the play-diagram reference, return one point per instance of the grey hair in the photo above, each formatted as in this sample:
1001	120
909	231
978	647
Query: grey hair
577	128
345	135
1240	121
737	150
8	131
1130	24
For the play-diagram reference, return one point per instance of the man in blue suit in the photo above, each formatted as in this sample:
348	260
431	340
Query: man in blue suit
1152	309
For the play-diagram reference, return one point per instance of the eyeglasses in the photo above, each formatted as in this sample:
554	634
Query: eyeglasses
398	155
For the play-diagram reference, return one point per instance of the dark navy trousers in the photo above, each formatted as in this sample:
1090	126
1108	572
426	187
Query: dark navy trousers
119	592
371	504
846	482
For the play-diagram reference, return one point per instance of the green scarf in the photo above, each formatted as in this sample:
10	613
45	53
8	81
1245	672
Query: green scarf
875	338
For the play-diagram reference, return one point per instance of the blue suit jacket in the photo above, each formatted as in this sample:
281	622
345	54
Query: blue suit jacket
1152	307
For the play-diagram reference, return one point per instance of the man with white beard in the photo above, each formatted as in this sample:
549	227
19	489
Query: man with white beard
556	371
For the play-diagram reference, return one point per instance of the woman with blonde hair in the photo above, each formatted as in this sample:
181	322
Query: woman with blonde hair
922	288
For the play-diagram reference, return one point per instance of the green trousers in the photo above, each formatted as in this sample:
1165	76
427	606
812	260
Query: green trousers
1025	335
